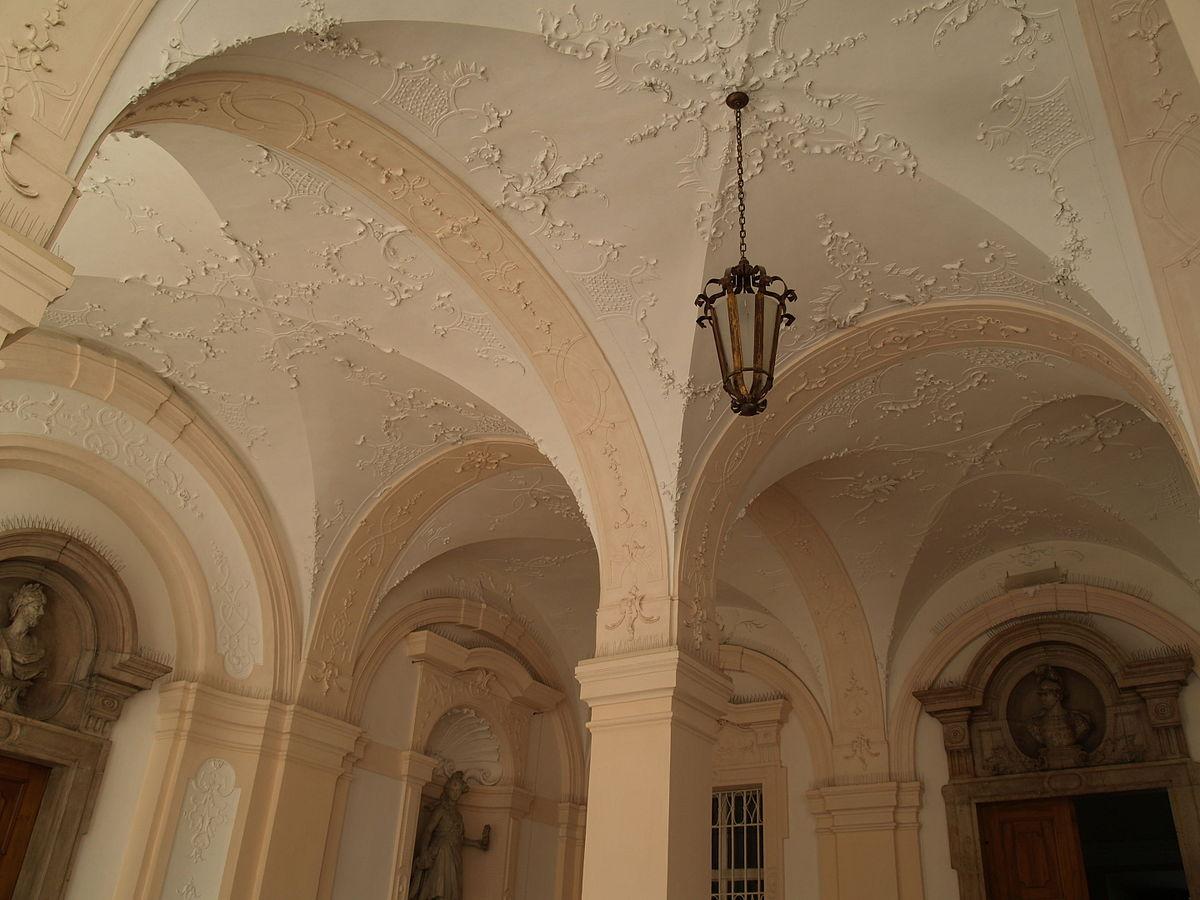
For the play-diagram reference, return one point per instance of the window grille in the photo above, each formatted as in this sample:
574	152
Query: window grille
737	844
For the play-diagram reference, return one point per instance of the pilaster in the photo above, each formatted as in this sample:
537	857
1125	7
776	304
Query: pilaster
867	840
654	723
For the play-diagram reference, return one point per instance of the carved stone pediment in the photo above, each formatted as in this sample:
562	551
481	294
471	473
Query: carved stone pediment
1055	695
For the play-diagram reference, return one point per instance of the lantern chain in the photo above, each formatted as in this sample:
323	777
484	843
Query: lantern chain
741	182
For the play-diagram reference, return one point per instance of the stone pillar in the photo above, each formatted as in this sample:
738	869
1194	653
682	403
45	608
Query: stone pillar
653	726
30	278
416	771
305	756
236	799
569	880
867	840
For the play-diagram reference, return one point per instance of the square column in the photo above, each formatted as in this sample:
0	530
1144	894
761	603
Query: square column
654	724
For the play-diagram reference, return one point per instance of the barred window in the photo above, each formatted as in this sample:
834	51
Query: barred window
737	844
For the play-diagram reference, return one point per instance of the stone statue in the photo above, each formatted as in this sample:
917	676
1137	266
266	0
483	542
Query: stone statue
1056	728
437	868
21	653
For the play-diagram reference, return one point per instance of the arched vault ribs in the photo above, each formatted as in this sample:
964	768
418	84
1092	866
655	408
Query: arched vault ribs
722	479
344	141
358	575
856	702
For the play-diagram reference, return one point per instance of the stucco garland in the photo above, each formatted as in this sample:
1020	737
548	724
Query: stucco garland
342	140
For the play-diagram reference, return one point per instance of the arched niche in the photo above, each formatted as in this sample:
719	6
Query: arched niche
66	680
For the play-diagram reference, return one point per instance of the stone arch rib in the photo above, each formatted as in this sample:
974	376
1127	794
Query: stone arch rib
629	527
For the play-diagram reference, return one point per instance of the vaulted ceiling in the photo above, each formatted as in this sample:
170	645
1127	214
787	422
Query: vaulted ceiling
896	157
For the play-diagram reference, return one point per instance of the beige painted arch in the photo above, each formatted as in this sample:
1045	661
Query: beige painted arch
722	477
65	361
187	588
1152	619
855	695
491	621
340	139
804	703
357	578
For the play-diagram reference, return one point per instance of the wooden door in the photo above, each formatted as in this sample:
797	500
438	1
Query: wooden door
1031	851
22	785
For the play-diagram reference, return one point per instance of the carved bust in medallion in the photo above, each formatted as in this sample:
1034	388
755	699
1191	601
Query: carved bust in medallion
1056	728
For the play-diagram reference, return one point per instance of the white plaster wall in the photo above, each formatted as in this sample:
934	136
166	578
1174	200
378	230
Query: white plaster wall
933	771
98	858
368	837
543	770
537	857
388	711
368	842
536	866
800	876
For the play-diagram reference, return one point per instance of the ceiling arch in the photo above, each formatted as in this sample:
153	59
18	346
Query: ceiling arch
629	526
734	465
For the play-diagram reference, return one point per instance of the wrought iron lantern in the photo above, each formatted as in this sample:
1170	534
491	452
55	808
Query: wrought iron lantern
745	309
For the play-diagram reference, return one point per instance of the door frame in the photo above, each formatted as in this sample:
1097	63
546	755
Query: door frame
1180	779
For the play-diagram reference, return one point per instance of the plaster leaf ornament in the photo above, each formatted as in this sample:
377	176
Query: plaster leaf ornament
538	190
531	491
24	70
860	748
238	640
1025	30
479	326
22	655
614	292
939	396
210	804
715	46
631	613
1147	19
300	181
1049	125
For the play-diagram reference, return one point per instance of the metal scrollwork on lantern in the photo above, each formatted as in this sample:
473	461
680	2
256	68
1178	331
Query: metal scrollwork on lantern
745	309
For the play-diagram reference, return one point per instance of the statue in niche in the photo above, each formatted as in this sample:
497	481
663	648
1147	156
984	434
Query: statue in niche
437	868
1056	728
21	653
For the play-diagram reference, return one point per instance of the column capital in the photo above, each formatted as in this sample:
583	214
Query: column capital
880	806
30	278
631	689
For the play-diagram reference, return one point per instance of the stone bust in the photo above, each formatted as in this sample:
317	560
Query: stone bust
21	653
437	867
1055	727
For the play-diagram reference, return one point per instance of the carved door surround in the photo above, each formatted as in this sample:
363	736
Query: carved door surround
1051	707
93	666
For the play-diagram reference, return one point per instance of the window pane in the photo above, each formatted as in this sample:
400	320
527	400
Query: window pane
737	844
